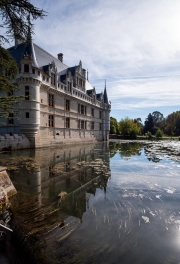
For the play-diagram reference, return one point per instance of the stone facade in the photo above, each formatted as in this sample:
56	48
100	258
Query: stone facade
14	142
60	105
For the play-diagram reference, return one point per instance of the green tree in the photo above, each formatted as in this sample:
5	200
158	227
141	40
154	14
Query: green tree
149	124
159	134
148	135
114	126
128	127
172	124
139	123
157	118
16	16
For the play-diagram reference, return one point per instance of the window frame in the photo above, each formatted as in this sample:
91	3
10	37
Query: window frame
27	95
51	120
67	122
26	68
51	100
67	106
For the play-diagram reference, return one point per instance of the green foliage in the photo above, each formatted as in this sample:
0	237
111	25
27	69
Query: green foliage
139	123
149	135
159	134
157	118
125	150
16	18
149	124
153	122
172	125
114	126
128	127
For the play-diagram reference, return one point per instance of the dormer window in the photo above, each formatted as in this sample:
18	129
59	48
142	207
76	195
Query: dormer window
69	87
26	67
52	78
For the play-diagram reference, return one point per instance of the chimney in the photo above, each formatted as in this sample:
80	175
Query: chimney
60	57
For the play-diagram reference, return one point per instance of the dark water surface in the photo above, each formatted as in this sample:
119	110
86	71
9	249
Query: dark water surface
117	203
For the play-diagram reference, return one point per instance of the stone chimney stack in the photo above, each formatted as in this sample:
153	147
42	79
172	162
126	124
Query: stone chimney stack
60	57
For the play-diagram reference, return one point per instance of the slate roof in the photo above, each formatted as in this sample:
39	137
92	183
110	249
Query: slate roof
72	70
40	57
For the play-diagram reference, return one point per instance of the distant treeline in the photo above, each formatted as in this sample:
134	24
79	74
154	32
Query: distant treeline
155	124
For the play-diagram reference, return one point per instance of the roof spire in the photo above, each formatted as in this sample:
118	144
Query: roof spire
87	75
105	94
29	37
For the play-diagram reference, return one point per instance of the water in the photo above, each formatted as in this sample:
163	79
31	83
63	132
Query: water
117	203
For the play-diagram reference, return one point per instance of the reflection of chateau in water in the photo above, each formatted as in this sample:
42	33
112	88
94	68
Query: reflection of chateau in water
72	173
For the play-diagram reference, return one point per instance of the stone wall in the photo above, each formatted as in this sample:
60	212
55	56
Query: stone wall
8	142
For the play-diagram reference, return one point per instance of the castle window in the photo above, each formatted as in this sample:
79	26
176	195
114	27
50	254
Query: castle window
47	79
82	124
51	100
61	86
92	111
51	121
26	67
10	119
85	122
26	92
39	73
43	78
19	69
100	114
67	105
27	114
52	78
33	71
79	108
92	125
100	126
82	109
67	122
78	124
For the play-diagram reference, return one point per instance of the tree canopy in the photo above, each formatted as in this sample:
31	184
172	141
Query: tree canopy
128	127
16	16
114	126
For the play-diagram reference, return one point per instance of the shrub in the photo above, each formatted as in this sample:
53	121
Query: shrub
149	135
159	134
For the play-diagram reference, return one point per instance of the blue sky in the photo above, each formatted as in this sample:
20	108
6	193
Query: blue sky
134	45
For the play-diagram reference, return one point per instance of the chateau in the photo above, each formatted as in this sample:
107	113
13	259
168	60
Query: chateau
60	105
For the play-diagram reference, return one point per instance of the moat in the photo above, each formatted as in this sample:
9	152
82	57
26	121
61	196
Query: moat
101	203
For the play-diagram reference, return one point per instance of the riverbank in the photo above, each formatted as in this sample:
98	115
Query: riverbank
113	136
